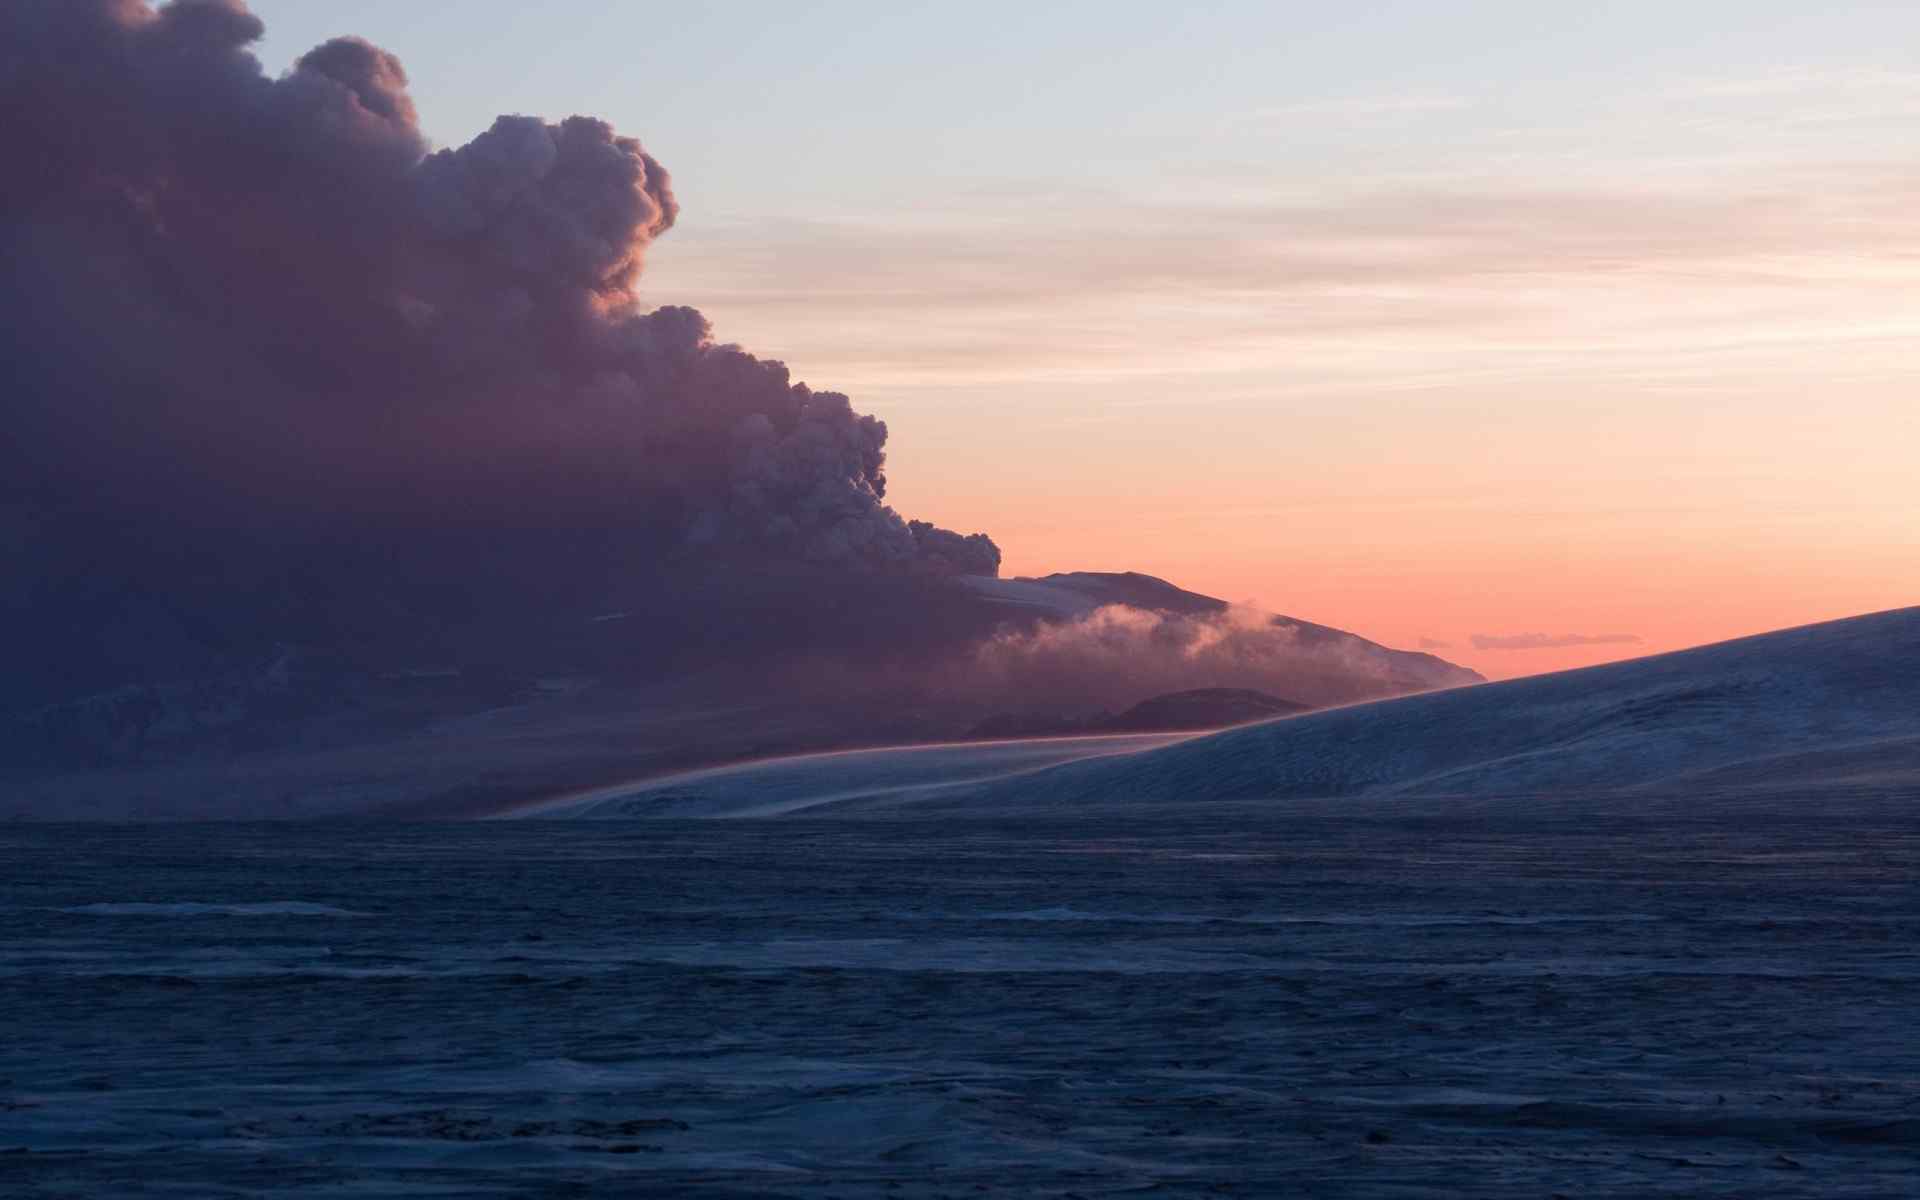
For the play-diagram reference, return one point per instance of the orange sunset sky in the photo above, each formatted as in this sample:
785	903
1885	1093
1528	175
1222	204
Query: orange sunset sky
1671	414
1432	322
1670	417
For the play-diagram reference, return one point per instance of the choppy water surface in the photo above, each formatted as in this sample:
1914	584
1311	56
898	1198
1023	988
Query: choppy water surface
1437	1000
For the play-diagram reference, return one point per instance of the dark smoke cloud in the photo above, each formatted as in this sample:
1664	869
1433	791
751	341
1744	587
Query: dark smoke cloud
300	410
233	300
1546	641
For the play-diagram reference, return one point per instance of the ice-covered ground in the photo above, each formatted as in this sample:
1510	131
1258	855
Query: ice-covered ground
1417	998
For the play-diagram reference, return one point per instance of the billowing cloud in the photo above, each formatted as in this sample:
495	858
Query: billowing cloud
286	384
1550	641
235	301
1427	643
1118	655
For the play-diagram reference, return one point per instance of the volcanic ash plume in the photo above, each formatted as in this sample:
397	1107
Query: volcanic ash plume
235	299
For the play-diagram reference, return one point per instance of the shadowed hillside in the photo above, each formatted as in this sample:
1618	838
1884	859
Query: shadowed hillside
372	685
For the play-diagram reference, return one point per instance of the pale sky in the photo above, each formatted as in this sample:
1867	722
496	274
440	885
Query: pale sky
1429	321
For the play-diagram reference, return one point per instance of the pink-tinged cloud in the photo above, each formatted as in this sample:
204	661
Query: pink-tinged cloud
1078	664
1367	288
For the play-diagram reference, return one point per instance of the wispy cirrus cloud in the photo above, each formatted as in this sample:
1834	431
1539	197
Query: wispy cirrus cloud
1815	101
1800	81
1549	641
1378	283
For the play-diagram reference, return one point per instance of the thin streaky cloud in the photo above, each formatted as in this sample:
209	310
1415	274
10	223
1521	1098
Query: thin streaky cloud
1803	98
1774	84
1402	286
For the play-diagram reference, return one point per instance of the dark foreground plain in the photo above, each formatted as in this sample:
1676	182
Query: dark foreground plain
1647	996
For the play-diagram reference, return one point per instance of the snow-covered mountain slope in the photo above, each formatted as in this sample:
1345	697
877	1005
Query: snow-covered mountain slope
1839	700
1823	706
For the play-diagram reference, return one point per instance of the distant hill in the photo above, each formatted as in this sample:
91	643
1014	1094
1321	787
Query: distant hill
1203	708
366	684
